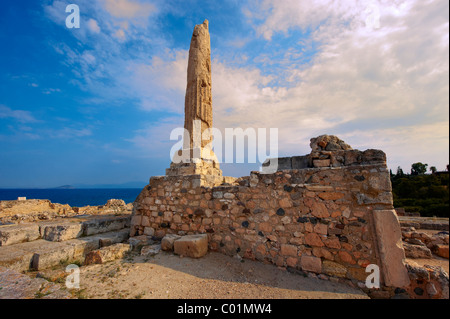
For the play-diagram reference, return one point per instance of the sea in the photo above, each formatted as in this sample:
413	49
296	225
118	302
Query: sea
74	197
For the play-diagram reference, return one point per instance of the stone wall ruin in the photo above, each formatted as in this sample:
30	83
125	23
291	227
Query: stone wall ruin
321	219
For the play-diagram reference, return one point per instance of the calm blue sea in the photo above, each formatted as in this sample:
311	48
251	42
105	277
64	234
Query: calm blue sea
73	197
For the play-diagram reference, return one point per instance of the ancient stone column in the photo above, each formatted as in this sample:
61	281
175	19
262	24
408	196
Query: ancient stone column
196	156
198	100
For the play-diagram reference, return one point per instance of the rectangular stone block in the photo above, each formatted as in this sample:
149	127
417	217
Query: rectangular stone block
61	231
104	225
334	269
311	263
321	163
13	258
48	254
168	241
392	256
300	162
111	238
83	246
14	234
194	246
106	254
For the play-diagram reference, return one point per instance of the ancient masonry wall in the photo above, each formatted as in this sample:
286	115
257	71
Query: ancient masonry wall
320	219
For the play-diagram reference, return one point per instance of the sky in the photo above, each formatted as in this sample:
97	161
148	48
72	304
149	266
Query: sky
96	104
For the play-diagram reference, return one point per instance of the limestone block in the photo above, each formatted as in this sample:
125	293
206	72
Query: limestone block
137	242
311	263
14	258
168	241
194	246
331	268
416	251
61	231
14	234
106	254
441	251
321	163
392	256
288	250
104	225
48	254
83	246
108	239
149	231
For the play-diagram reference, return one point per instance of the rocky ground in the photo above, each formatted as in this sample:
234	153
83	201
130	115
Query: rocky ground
165	275
168	276
34	210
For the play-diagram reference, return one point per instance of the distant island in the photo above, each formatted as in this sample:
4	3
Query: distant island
100	186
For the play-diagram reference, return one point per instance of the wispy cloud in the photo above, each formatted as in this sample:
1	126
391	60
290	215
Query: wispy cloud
18	115
344	70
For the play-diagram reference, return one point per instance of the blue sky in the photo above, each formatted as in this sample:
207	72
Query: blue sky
96	105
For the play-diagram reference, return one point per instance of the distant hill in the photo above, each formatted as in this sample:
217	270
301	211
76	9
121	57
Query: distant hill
65	187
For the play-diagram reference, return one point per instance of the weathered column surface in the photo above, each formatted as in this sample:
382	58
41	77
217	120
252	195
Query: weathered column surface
198	100
196	157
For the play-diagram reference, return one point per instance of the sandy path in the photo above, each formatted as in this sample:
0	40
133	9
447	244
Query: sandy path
213	276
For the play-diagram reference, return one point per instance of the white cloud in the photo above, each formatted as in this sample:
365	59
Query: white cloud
93	26
367	82
160	83
18	115
128	9
120	34
68	132
394	77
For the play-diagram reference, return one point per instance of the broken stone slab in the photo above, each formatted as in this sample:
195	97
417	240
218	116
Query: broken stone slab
150	250
15	285
14	234
441	250
137	242
168	240
105	254
416	251
194	246
61	231
392	255
104	225
111	238
47	254
83	246
14	258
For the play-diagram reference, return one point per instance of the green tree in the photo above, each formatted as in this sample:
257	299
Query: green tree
433	169
399	172
418	168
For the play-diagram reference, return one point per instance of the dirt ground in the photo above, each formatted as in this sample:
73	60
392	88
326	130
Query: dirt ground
215	276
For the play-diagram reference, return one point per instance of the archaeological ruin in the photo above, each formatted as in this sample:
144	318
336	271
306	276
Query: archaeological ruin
328	212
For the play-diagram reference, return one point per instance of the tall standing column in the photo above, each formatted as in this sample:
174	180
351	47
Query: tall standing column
198	100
